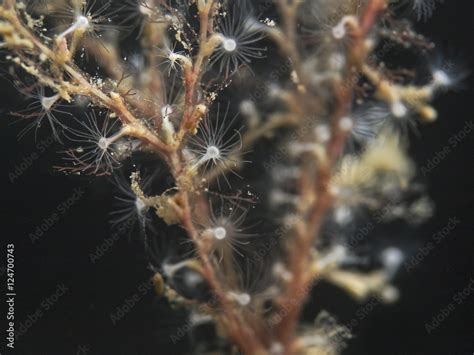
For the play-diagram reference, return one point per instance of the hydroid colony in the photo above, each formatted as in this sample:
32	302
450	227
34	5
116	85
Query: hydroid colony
268	129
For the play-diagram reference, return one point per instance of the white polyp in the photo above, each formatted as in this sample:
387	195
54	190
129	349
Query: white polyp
170	269
104	143
323	133
282	173
290	220
390	294
247	107
212	152
81	23
192	279
276	349
166	111
138	62
167	125
339	31
342	215
279	197
241	298
440	78
274	91
145	10
48	102
140	205
244	299
399	109
229	44
392	258
220	233
198	318
173	57
346	124
339	252
280	270
296	149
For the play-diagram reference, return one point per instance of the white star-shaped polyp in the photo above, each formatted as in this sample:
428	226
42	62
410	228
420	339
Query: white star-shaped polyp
213	153
220	233
238	33
145	9
346	124
229	44
399	109
339	31
140	205
441	78
97	141
48	102
216	145
82	22
103	143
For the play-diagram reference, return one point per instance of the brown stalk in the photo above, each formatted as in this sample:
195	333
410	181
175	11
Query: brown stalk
305	232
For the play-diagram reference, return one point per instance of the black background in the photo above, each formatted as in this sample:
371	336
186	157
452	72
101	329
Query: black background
80	319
